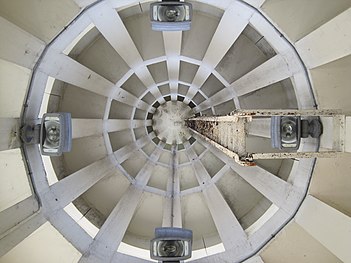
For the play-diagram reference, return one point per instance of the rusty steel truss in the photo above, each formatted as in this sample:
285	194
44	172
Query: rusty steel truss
229	133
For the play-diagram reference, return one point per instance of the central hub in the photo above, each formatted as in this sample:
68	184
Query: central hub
169	122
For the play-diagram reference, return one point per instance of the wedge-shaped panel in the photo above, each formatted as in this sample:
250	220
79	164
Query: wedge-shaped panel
187	177
120	138
241	197
240	59
257	99
193	48
134	164
75	101
102	58
159	177
106	193
212	163
159	71
148	42
84	151
146	218
204	234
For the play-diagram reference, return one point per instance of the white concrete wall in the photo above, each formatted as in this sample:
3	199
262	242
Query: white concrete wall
44	245
42	19
14	81
14	184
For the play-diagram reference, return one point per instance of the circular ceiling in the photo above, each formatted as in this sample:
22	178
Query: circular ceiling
130	89
168	122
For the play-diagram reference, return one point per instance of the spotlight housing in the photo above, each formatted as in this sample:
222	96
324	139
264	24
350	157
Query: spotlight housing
171	244
170	16
287	131
56	133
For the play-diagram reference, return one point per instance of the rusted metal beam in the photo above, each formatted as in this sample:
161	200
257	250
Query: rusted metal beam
269	113
248	114
293	155
228	133
231	135
239	159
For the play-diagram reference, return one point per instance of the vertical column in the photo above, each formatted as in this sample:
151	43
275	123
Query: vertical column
172	216
173	42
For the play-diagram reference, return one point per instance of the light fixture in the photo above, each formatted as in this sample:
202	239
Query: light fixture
170	16
287	131
171	244
56	133
53	134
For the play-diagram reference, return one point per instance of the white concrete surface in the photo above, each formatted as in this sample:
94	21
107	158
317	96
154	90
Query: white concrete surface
327	225
9	134
20	233
293	244
14	81
254	259
17	213
16	42
327	43
84	3
86	127
30	250
298	18
46	23
14	183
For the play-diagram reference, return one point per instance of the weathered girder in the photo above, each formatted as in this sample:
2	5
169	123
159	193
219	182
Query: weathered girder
228	133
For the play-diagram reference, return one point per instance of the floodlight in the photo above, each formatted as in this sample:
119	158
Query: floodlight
56	133
287	131
170	16
171	244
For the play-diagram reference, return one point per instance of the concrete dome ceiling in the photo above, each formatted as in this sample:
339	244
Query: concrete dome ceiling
129	90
